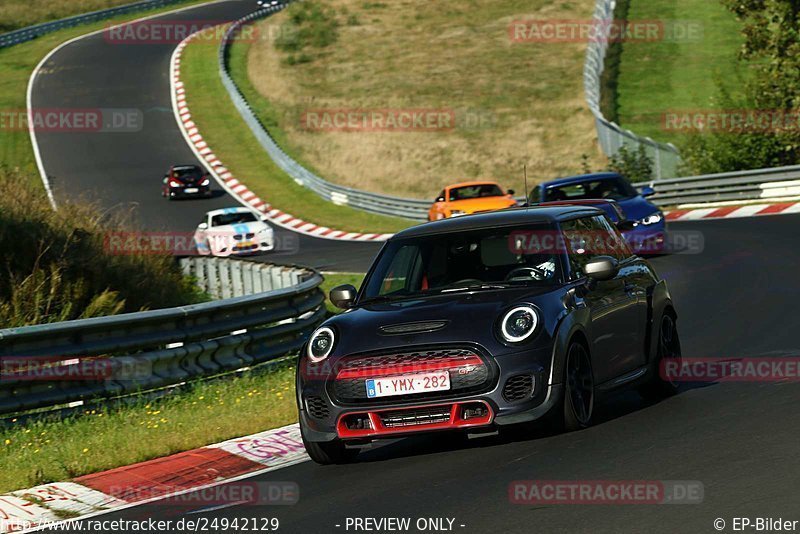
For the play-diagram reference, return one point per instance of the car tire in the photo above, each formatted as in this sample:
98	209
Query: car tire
577	403
668	348
329	452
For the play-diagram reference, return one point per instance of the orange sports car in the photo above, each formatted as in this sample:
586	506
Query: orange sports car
470	197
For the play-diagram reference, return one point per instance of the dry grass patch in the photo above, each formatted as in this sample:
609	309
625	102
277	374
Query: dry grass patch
514	103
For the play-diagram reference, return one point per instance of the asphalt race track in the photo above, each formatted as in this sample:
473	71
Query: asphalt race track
123	169
736	299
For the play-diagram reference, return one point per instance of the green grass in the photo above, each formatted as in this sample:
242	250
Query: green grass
15	14
61	268
17	64
49	451
655	77
233	142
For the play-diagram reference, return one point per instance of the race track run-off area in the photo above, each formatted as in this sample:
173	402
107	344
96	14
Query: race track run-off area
735	298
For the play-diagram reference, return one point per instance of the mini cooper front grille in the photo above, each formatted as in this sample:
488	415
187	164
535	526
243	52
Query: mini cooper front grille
420	416
408	358
317	408
518	388
468	372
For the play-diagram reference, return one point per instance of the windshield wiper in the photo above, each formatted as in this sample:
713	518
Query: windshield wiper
475	287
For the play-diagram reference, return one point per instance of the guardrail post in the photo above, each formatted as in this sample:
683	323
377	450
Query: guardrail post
247	278
277	281
236	278
213	278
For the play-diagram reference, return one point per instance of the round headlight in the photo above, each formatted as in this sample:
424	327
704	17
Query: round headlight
519	323
321	344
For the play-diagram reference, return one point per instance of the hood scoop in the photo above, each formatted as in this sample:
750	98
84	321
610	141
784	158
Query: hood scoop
412	328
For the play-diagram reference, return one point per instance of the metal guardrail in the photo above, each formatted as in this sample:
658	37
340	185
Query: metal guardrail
32	32
610	135
224	279
122	355
767	184
340	195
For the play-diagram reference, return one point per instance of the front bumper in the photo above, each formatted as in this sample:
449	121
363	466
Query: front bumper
648	240
180	192
505	398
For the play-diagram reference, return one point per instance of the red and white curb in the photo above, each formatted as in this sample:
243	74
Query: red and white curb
226	179
730	212
155	480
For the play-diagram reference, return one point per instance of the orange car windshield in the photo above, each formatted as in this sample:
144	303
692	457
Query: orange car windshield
475	191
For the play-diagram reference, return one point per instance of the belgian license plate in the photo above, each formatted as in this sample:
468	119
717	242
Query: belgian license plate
408	384
191	190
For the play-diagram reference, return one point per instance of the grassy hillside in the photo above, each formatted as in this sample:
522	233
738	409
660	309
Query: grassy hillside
512	102
55	265
676	74
16	14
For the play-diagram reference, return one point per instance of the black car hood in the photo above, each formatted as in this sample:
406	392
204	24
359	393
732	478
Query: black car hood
454	317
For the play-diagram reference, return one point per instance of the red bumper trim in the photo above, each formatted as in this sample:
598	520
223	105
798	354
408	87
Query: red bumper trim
378	429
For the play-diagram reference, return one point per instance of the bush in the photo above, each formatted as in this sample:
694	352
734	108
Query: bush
55	266
311	24
636	165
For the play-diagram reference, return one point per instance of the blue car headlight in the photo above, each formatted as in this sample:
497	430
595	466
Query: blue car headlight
651	219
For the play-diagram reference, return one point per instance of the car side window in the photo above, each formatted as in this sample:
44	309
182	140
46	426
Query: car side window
589	237
615	244
577	234
405	265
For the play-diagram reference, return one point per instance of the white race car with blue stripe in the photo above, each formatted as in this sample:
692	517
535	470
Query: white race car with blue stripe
233	232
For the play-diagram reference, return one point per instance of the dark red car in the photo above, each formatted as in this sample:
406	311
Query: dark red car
184	181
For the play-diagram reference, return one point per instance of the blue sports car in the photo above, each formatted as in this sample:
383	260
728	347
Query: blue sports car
646	231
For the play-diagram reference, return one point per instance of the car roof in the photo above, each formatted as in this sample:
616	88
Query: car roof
500	218
227	211
182	167
472	184
570	180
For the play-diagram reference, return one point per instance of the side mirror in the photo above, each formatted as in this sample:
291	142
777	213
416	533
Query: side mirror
344	296
602	268
626	225
648	191
439	199
165	179
510	192
202	226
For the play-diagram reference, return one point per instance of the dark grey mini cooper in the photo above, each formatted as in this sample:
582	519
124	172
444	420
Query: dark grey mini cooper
482	321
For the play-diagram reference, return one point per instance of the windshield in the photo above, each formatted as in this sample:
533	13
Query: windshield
187	173
608	188
455	262
475	191
233	218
